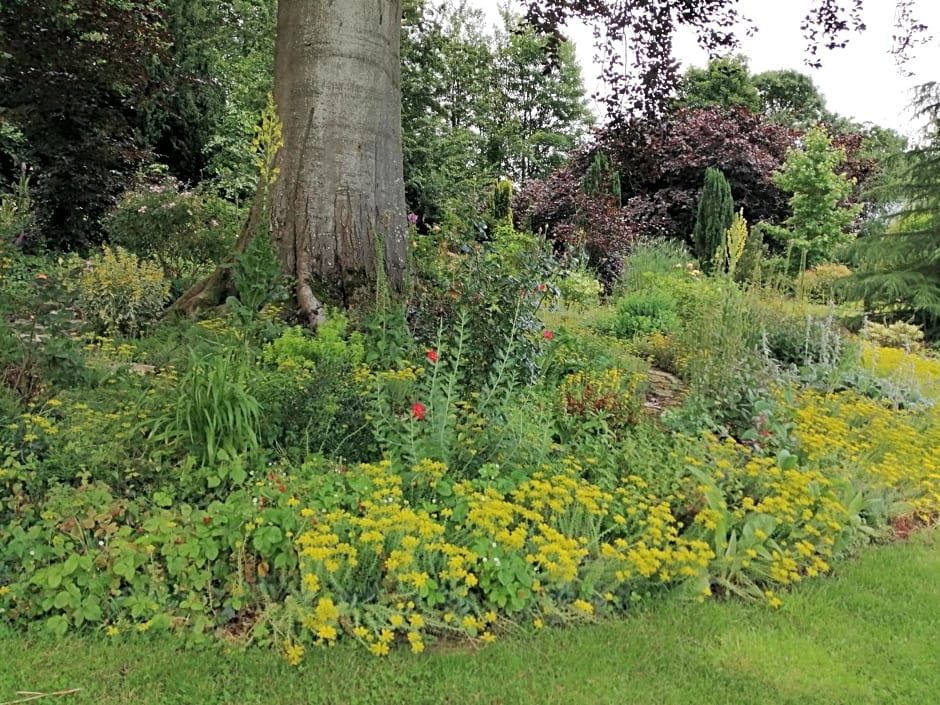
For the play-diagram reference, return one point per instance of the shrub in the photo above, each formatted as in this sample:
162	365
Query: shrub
579	289
119	293
184	231
313	391
606	400
803	341
894	335
644	312
821	283
496	290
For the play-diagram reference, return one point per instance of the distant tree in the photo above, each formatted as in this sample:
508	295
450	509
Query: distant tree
724	83
447	99
714	218
181	119
243	56
660	166
540	108
790	98
821	219
642	82
898	270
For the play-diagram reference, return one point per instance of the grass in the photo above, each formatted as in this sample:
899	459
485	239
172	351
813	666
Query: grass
864	635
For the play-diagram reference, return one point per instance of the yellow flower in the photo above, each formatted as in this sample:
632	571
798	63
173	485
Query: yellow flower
293	502
327	632
326	610
379	648
112	631
293	653
538	623
584	606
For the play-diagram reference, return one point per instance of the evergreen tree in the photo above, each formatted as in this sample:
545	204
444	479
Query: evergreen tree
899	269
715	216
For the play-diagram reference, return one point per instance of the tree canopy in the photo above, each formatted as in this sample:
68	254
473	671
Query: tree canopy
644	81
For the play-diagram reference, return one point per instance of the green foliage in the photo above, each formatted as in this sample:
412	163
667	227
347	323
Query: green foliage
313	392
715	216
600	400
185	231
821	284
820	220
644	312
119	293
477	107
579	288
791	98
539	111
215	418
16	207
257	274
178	126
245	56
725	83
899	269
499	287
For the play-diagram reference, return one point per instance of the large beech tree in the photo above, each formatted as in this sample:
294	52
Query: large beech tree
338	207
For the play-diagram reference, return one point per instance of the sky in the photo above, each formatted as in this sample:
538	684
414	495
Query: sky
861	81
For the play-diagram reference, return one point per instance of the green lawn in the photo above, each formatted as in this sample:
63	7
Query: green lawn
868	634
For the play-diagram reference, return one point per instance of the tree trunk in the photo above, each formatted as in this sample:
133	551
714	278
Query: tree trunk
337	208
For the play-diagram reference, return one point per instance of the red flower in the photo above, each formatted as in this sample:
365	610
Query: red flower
419	411
548	335
432	356
542	287
206	521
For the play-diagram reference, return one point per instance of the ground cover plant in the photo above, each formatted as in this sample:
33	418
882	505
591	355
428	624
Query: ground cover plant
391	483
813	650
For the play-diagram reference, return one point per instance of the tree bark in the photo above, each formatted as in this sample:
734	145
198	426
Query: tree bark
337	208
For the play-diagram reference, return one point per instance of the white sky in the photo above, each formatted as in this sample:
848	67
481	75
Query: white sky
861	82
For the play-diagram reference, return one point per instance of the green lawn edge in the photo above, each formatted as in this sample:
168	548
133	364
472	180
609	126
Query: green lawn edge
865	634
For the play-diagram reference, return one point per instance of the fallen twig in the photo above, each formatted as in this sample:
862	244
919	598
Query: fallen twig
32	695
